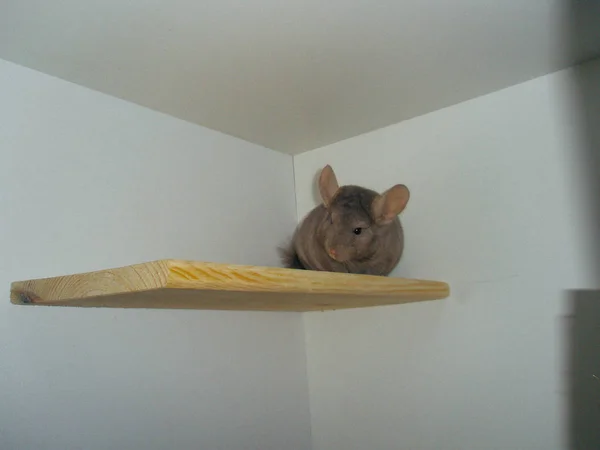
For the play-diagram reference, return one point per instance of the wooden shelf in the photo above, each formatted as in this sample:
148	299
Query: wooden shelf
175	284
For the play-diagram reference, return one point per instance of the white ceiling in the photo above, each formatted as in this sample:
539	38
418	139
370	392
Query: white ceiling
294	75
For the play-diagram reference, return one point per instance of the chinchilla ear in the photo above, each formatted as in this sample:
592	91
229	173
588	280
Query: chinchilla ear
328	185
388	205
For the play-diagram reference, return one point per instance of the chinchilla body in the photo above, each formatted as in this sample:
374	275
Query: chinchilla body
354	230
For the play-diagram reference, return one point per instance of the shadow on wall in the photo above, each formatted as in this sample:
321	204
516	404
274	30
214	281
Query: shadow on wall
583	336
583	376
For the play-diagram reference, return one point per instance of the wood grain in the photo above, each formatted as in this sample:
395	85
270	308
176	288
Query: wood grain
176	284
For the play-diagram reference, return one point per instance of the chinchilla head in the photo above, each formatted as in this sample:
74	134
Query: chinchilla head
358	219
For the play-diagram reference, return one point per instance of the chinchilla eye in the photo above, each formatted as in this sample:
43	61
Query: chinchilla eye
357	231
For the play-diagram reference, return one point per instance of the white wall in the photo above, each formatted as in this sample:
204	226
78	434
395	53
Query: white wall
89	182
497	210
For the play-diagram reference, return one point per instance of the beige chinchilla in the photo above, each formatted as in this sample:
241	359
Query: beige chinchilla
354	230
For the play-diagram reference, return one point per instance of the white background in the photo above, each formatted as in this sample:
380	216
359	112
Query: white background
497	210
90	182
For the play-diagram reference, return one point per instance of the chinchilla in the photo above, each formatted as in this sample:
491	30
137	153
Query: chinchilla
353	230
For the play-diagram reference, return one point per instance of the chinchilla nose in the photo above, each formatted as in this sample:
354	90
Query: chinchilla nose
331	252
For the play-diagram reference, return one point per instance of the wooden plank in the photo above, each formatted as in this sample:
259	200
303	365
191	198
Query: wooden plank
176	284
